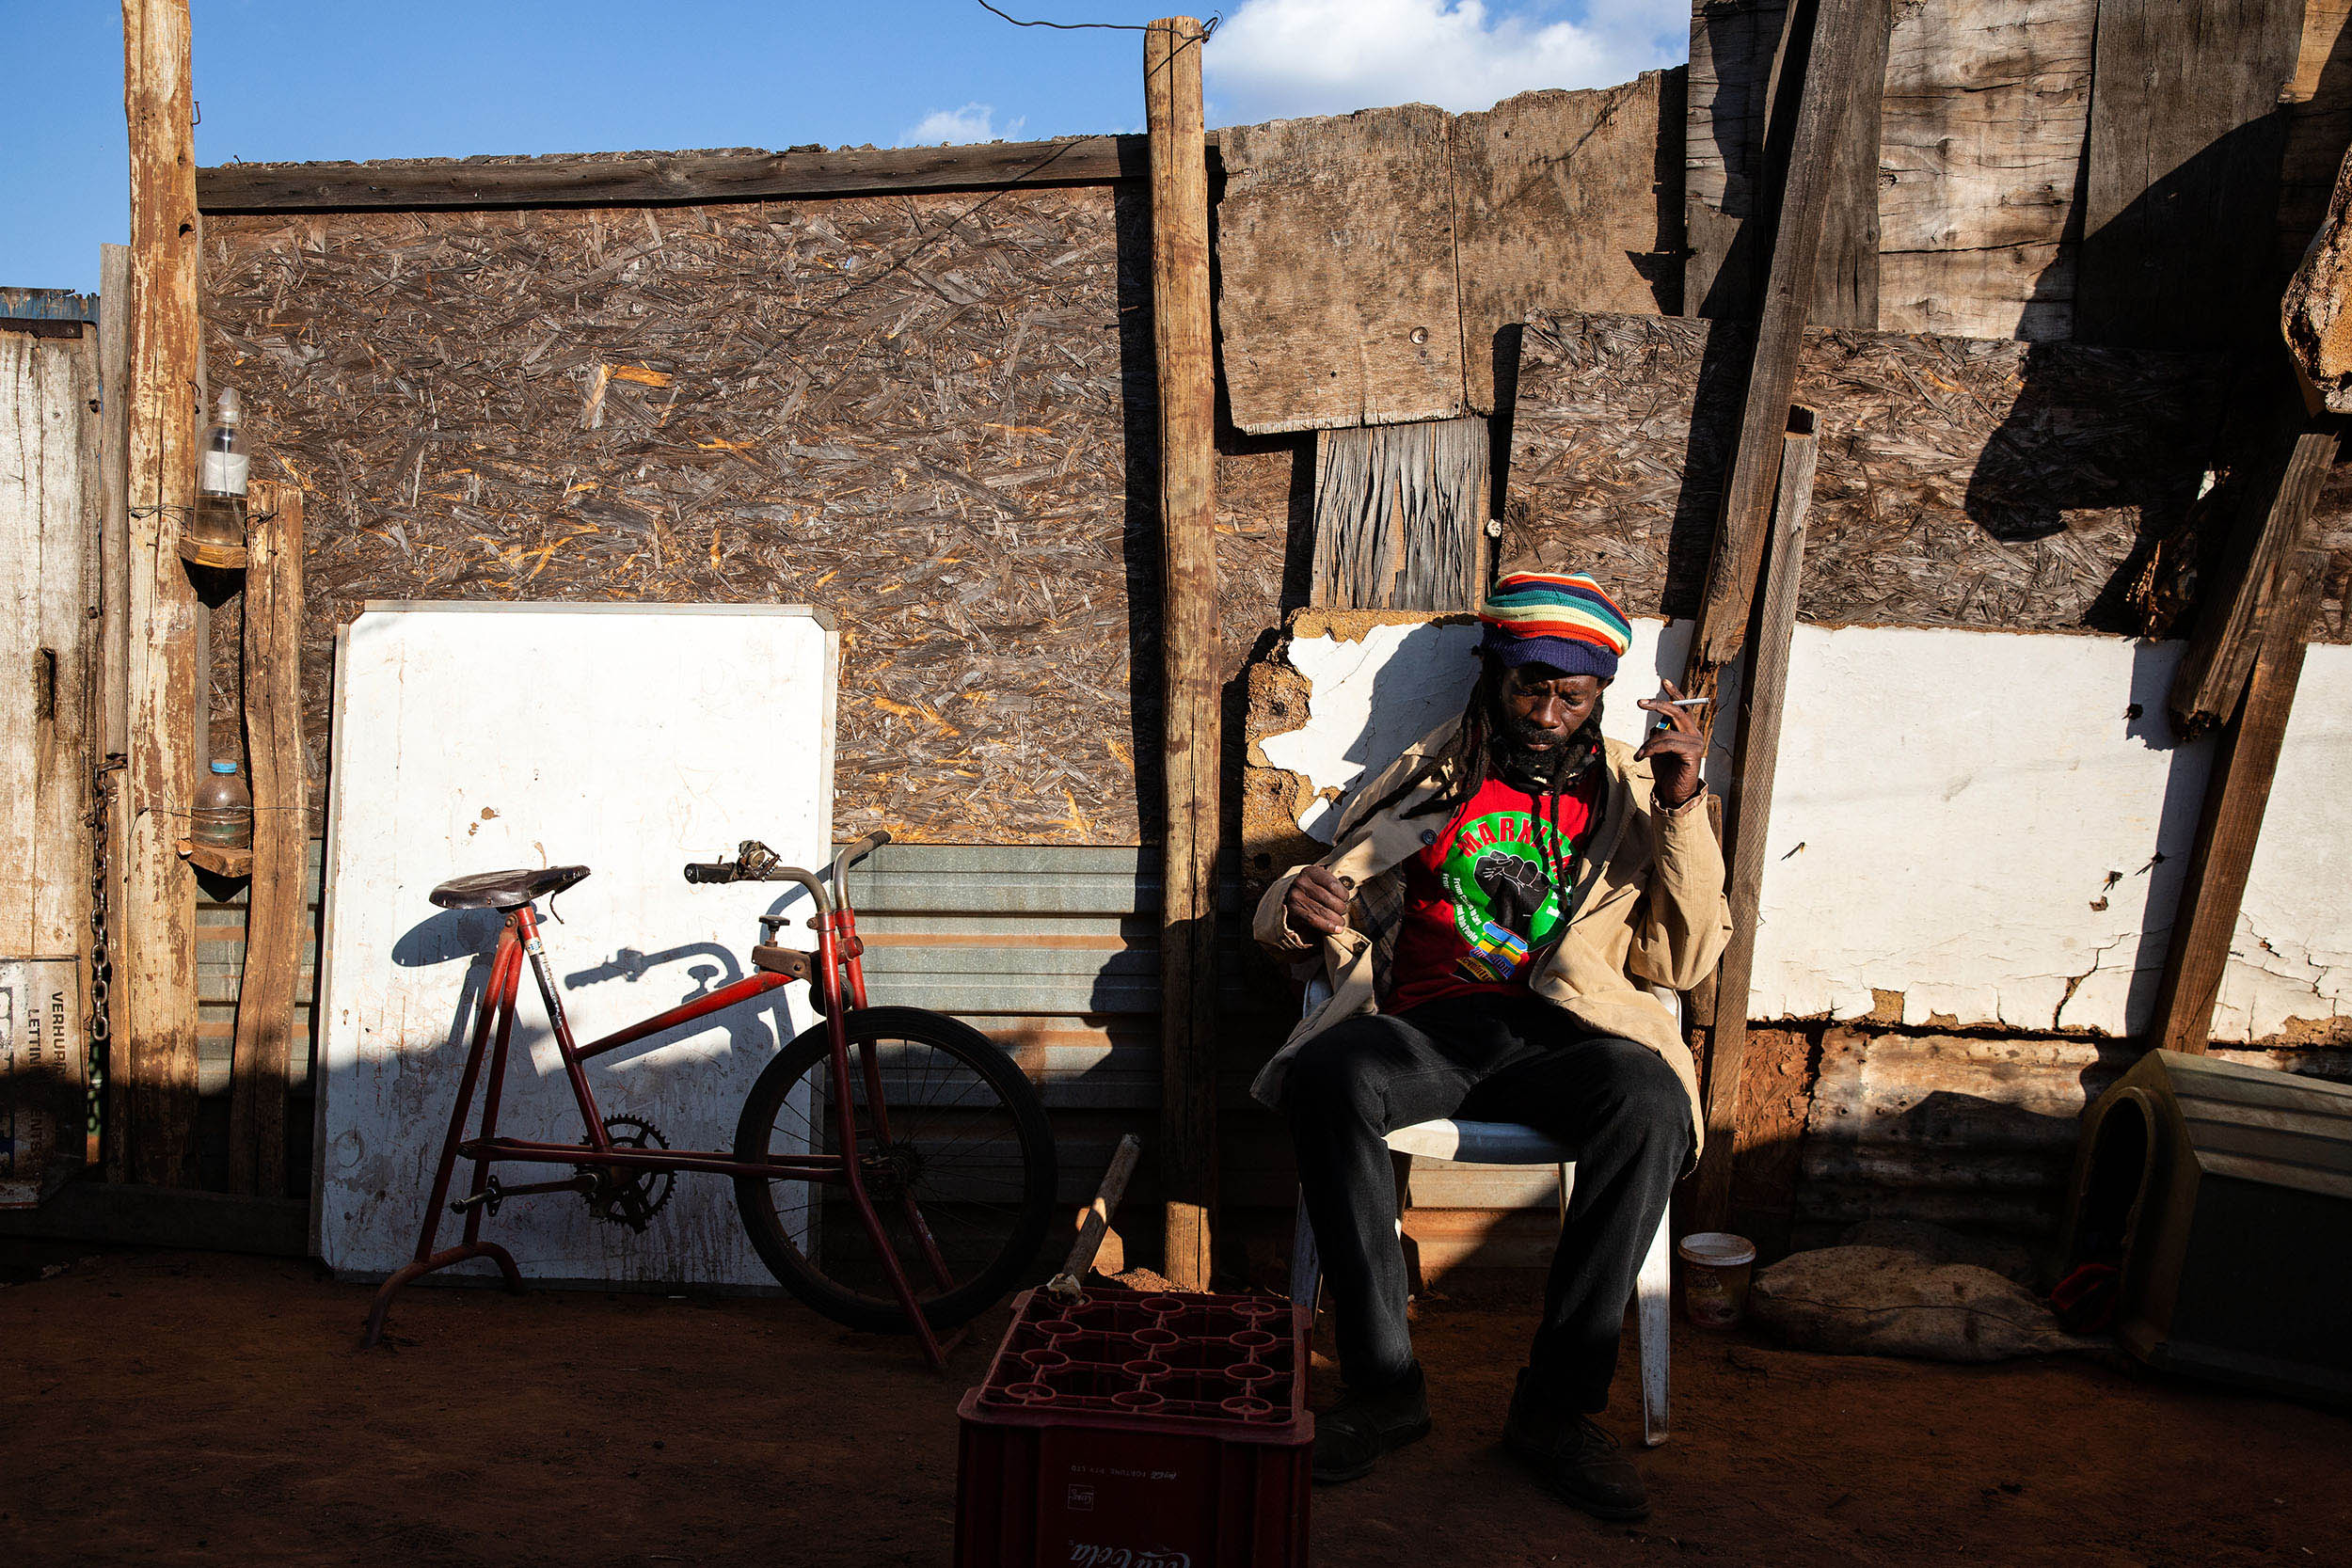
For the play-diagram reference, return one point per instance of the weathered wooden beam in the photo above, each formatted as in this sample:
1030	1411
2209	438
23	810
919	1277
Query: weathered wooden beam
1846	279
1188	632
1338	302
110	697
1400	516
2182	170
2246	760
1822	112
277	916
157	1055
654	179
2229	631
1763	694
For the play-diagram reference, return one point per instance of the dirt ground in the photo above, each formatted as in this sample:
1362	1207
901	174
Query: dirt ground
168	1408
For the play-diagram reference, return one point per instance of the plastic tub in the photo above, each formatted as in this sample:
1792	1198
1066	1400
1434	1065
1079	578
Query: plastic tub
1715	1266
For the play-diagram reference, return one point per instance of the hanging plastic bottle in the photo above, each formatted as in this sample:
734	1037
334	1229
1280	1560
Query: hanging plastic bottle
221	816
216	536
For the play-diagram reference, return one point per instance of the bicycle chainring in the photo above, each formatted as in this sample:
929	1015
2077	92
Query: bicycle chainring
631	1198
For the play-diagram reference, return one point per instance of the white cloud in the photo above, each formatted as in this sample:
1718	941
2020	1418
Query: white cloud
1277	58
974	122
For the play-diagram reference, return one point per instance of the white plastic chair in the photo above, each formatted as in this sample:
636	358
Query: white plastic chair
1509	1143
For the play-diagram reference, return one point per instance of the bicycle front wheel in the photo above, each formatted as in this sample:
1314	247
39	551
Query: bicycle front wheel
962	1185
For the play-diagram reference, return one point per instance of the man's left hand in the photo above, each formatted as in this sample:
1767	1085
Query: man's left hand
1675	752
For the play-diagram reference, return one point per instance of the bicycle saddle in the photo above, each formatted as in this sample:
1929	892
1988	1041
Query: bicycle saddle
506	890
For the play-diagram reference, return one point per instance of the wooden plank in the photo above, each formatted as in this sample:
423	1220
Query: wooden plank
2317	104
1846	280
157	1053
1749	804
1980	141
1400	518
277	920
2229	629
1727	199
2246	760
48	461
652	179
2182	169
1336	294
1192	712
1821	115
1559	205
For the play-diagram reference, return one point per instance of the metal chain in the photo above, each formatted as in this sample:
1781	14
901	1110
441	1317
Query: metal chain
100	953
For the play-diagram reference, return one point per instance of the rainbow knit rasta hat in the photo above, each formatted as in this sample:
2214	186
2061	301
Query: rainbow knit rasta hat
1561	619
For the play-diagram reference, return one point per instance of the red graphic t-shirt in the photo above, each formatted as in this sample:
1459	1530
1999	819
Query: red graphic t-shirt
1486	891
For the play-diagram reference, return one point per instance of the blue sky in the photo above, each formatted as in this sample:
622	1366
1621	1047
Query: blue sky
320	79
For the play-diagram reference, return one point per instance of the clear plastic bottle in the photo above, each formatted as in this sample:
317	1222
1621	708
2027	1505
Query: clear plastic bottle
215	535
222	816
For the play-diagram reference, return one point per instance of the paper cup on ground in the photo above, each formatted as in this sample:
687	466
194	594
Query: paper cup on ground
1715	1266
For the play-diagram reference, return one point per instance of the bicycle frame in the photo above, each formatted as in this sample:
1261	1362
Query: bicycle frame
837	981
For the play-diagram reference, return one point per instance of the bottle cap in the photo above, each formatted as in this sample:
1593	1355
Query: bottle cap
224	767
225	408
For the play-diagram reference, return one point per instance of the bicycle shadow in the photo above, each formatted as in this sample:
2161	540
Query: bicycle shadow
758	1028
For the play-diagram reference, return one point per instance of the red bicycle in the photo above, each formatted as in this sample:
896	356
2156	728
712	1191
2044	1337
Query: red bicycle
909	1190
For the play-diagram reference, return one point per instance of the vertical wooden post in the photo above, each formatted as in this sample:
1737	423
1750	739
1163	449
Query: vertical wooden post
156	1056
1180	319
274	912
109	719
1822	115
1761	699
2245	759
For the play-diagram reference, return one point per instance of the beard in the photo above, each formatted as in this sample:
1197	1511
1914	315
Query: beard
1529	757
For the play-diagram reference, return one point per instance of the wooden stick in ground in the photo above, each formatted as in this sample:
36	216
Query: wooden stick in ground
1762	695
2238	792
1830	69
1071	1280
2222	645
275	913
1179	317
155	1055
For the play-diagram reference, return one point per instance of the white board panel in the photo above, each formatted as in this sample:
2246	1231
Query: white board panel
1992	825
2292	959
627	738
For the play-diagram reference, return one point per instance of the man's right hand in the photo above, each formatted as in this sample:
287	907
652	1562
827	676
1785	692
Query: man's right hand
1317	901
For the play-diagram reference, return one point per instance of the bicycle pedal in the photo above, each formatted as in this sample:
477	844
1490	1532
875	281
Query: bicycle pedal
487	1199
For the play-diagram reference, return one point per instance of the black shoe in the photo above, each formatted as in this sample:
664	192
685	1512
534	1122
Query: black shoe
1574	1458
1351	1436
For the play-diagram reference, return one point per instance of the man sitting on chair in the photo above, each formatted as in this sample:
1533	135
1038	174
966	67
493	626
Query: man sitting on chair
1493	906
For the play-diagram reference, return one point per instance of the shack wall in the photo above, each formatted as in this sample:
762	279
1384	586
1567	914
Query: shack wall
927	413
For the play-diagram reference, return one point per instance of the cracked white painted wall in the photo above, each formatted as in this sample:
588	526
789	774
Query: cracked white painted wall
1994	824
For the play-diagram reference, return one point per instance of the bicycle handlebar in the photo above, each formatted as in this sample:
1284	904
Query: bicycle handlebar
756	862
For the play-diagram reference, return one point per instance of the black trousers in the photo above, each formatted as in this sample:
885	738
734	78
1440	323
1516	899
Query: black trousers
1614	1105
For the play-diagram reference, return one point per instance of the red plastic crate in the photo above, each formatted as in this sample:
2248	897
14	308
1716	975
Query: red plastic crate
1138	1431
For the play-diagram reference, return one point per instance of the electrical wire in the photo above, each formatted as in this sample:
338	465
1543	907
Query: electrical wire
1104	26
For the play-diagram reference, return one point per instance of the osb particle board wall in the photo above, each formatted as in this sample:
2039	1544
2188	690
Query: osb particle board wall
929	414
1963	482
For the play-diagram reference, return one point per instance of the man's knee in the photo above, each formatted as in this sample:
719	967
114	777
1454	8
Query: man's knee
1337	1075
1646	1095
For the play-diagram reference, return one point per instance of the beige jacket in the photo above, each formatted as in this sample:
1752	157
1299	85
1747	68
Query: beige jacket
1648	909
